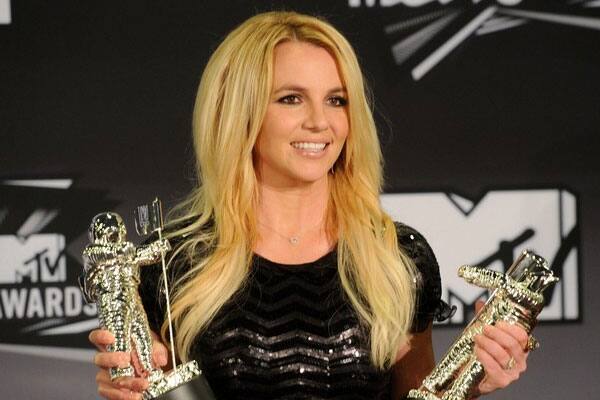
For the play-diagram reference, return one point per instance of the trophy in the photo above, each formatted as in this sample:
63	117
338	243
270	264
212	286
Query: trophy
517	299
110	279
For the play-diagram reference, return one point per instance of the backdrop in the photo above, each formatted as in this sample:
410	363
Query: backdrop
488	113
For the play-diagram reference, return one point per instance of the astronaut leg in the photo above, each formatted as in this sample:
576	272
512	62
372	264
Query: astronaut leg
143	342
115	315
468	379
450	364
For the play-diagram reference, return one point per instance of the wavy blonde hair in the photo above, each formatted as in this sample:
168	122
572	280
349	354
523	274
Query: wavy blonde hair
230	105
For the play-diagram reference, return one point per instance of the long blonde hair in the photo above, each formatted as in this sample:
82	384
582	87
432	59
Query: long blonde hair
230	105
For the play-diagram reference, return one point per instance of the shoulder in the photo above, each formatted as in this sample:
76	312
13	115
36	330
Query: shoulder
429	286
98	248
415	246
99	254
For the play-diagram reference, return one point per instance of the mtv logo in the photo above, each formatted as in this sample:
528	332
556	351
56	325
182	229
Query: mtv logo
37	258
491	233
5	13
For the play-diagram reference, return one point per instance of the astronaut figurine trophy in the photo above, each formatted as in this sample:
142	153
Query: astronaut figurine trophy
110	279
517	299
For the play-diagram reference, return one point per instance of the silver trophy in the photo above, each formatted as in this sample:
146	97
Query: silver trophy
517	299
111	277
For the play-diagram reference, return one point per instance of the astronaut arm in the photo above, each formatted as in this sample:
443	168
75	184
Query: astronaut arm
150	253
485	278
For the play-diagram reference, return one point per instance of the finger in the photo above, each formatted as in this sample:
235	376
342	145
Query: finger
160	353
101	338
112	359
493	348
504	336
135	361
496	377
112	393
479	305
135	384
515	331
103	377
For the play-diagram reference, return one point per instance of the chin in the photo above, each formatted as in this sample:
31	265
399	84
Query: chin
298	175
308	177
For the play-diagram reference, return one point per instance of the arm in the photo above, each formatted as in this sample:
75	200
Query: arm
414	362
494	348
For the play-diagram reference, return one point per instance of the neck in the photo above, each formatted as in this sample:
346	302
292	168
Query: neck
291	223
290	210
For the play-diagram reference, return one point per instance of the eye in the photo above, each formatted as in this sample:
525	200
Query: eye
337	101
289	99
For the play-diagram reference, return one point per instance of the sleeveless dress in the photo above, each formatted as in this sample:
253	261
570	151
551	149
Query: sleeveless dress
291	333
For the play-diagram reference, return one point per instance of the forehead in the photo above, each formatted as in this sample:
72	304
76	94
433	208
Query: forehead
303	62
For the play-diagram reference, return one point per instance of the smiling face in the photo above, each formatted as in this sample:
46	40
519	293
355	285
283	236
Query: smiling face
306	122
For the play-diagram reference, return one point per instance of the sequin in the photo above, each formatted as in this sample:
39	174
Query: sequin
295	335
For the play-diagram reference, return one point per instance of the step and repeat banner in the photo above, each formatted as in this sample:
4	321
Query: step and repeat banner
488	113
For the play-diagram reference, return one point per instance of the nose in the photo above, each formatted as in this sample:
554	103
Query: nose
316	120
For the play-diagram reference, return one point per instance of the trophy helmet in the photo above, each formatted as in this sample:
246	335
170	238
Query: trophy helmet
107	227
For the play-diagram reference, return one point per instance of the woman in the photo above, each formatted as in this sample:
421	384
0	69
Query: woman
289	279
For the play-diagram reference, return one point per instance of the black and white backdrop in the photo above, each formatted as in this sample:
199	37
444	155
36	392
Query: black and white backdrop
488	114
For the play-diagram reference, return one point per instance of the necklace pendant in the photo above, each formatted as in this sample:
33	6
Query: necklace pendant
294	240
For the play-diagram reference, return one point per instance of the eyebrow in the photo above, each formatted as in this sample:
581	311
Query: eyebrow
296	88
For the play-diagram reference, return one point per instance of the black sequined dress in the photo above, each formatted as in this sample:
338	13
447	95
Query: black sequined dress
291	333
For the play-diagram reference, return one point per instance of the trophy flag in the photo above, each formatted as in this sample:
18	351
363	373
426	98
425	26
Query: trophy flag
149	218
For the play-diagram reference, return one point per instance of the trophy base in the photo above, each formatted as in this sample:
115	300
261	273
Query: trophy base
421	395
180	375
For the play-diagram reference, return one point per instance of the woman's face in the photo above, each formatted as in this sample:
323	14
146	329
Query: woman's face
306	123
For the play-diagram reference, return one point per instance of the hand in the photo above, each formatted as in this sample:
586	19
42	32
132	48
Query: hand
128	388
164	245
495	348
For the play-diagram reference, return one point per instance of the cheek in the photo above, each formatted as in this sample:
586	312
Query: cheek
268	135
345	129
341	125
342	131
270	147
279	122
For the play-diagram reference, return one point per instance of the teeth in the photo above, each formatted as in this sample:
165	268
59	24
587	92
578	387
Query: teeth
309	146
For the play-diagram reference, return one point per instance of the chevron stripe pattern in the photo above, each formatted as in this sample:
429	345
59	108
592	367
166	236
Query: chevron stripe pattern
291	333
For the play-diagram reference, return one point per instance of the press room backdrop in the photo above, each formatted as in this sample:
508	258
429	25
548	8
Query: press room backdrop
488	114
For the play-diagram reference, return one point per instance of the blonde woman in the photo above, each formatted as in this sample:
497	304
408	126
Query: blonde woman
289	280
